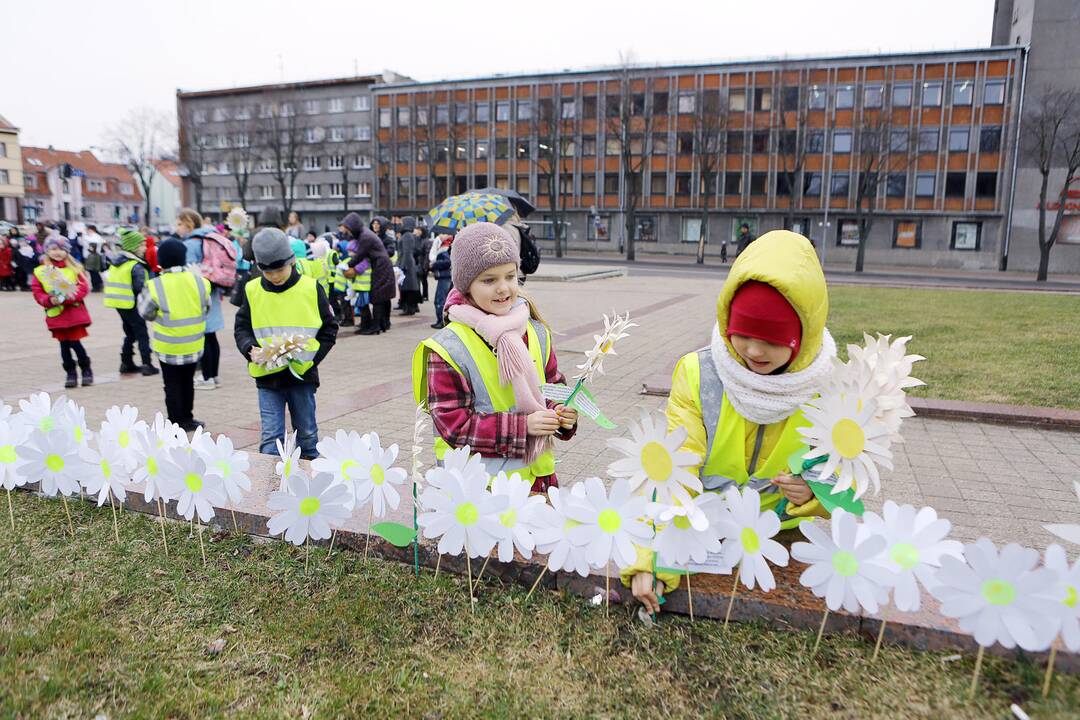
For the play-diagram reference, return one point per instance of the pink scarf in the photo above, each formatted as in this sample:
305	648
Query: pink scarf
505	333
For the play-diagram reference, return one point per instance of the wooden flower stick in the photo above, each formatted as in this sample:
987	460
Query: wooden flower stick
1049	677
332	539
202	548
367	536
690	596
116	531
975	675
481	574
11	511
67	511
880	635
536	583
161	516
734	589
607	590
235	527
307	553
468	567
438	562
820	632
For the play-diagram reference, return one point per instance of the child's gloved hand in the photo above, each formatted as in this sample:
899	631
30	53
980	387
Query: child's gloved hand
542	422
794	489
643	588
567	417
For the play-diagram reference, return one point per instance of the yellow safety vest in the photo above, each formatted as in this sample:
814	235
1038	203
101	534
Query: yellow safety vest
118	291
274	315
180	325
362	281
42	274
726	463
316	270
468	354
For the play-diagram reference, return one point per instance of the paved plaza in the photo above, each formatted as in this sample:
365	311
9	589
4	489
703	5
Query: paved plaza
1002	482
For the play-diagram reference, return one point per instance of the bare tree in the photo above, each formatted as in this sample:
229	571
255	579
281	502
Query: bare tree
883	148
192	153
709	126
350	150
627	125
427	149
790	127
242	153
284	134
138	140
556	133
1052	141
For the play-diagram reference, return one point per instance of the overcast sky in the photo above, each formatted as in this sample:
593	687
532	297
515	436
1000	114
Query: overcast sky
71	67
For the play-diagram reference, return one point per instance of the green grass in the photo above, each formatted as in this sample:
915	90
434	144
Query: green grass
89	627
1002	347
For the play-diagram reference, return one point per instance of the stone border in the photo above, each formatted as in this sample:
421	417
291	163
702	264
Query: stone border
997	413
788	607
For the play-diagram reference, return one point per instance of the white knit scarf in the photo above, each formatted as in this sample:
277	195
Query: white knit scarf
766	399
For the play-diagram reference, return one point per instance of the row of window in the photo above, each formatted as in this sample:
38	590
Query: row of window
359	103
100	186
817	97
309	162
923	140
314	191
310	135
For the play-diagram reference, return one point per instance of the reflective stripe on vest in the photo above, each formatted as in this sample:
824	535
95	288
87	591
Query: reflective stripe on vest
362	281
725	429
118	291
43	275
180	326
292	312
316	270
469	355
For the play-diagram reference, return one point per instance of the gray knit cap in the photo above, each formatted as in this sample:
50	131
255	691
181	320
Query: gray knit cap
478	247
272	248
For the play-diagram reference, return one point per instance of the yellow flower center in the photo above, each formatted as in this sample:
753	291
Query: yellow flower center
123	439
151	466
378	475
905	555
47	423
508	518
656	461
7	454
78	432
609	521
998	592
106	471
569	524
194	482
606	347
309	506
54	463
345	467
845	564
1070	597
466	514
751	543
287	467
848	438
682	522
224	467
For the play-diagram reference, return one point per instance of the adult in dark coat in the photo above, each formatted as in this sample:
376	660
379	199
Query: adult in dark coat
383	286
410	284
423	261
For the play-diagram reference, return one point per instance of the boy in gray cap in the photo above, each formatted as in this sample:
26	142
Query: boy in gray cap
285	310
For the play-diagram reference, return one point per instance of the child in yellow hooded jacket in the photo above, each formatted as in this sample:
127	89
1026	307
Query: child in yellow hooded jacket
739	398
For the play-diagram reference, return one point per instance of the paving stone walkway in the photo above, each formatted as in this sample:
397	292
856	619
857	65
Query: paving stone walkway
999	481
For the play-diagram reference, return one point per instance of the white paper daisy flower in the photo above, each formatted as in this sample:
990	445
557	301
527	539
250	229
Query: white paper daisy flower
914	545
519	519
229	464
461	461
120	430
1067	591
53	459
999	597
462	514
339	456
840	566
604	345
880	369
554	528
653	461
310	508
1067	532
747	533
166	433
105	472
195	490
376	477
40	412
13	433
687	532
842	427
289	462
153	454
74	420
610	523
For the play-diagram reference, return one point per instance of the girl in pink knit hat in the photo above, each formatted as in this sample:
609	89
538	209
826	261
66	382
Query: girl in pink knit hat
480	376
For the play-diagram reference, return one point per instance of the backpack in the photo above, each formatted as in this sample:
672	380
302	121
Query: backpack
530	253
219	260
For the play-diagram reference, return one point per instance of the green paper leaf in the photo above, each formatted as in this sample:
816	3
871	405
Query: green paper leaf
673	571
830	501
798	464
394	533
590	408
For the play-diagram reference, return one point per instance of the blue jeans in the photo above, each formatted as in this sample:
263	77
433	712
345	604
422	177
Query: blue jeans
442	290
301	402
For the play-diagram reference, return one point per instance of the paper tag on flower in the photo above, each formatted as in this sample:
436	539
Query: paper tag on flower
713	565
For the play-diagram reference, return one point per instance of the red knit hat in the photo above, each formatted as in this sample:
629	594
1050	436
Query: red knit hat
759	310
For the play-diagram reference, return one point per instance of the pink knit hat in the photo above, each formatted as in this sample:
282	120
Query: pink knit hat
478	247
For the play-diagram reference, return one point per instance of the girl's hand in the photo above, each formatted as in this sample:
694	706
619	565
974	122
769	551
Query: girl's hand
567	417
794	489
542	422
642	585
56	300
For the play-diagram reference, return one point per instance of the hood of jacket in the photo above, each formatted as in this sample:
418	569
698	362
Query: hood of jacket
788	262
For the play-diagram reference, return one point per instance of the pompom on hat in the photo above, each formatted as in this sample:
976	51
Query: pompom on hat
130	240
478	247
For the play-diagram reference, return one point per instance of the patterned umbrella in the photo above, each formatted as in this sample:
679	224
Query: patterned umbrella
454	213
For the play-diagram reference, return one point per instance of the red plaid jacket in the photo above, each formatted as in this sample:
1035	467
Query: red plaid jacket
450	400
